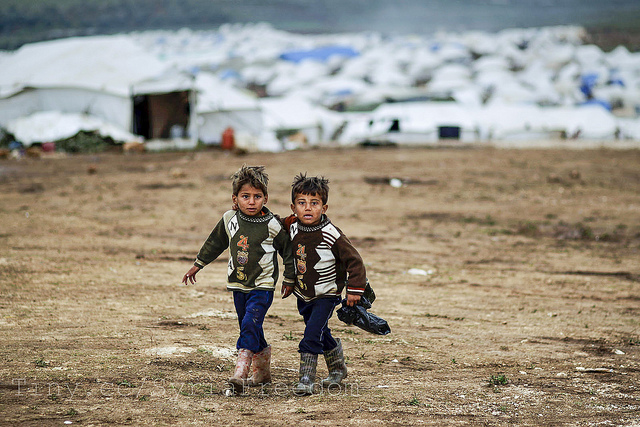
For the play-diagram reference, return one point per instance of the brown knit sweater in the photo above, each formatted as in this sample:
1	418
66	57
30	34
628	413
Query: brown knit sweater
325	261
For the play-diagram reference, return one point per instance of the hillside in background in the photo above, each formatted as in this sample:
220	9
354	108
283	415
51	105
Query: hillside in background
610	23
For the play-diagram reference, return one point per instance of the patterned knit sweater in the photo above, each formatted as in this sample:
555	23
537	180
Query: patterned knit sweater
325	261
253	243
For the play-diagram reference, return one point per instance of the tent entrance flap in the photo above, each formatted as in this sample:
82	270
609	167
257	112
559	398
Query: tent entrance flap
163	115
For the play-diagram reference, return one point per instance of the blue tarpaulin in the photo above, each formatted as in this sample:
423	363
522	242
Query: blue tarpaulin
588	81
601	102
319	54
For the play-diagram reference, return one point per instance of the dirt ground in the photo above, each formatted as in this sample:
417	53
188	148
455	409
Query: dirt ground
510	280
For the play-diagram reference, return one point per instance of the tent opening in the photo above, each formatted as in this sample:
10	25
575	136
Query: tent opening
163	115
395	126
449	132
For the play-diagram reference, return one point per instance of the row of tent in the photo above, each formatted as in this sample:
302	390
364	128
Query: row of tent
111	85
124	89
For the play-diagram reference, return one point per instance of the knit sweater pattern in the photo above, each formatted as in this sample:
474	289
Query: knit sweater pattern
325	261
253	242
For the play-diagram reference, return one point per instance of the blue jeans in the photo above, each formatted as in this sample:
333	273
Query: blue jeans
251	309
317	335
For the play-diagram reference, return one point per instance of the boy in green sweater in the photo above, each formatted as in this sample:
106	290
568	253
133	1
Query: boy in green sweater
253	235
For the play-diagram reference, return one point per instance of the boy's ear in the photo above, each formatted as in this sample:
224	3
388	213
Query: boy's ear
266	199
324	208
293	209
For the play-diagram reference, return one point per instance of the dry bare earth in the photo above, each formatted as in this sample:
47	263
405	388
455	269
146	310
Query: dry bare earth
526	312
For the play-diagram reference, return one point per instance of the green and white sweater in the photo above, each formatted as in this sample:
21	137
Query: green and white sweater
253	242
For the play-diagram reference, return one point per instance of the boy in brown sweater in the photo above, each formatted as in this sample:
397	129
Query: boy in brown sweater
326	263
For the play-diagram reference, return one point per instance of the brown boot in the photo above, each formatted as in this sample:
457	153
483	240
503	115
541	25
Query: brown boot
261	368
239	379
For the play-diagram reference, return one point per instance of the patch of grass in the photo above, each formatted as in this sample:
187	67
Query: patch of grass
125	383
414	402
41	363
289	337
528	228
487	220
443	316
570	232
498	232
498	380
350	332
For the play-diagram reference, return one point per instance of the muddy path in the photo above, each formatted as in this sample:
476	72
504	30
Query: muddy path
510	279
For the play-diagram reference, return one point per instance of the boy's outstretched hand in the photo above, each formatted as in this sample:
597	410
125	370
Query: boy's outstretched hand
352	300
191	275
286	290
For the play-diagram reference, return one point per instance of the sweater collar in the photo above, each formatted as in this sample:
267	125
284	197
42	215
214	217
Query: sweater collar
324	220
265	216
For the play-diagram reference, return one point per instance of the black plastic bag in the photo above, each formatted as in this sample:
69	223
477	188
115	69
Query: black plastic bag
360	317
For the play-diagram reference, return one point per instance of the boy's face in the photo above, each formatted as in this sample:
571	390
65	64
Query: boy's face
250	200
308	208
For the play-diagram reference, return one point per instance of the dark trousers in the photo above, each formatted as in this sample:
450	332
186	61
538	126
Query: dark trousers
251	309
317	335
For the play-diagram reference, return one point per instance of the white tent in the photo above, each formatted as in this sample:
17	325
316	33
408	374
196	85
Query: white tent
629	128
220	106
584	122
54	126
109	77
142	83
502	121
413	123
290	115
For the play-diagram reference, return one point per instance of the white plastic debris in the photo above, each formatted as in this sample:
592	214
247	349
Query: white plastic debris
395	182
417	272
598	370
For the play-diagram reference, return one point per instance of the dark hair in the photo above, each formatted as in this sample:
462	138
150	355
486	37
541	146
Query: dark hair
317	185
255	176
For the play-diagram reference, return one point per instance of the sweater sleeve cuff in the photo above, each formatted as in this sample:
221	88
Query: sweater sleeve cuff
199	263
355	291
